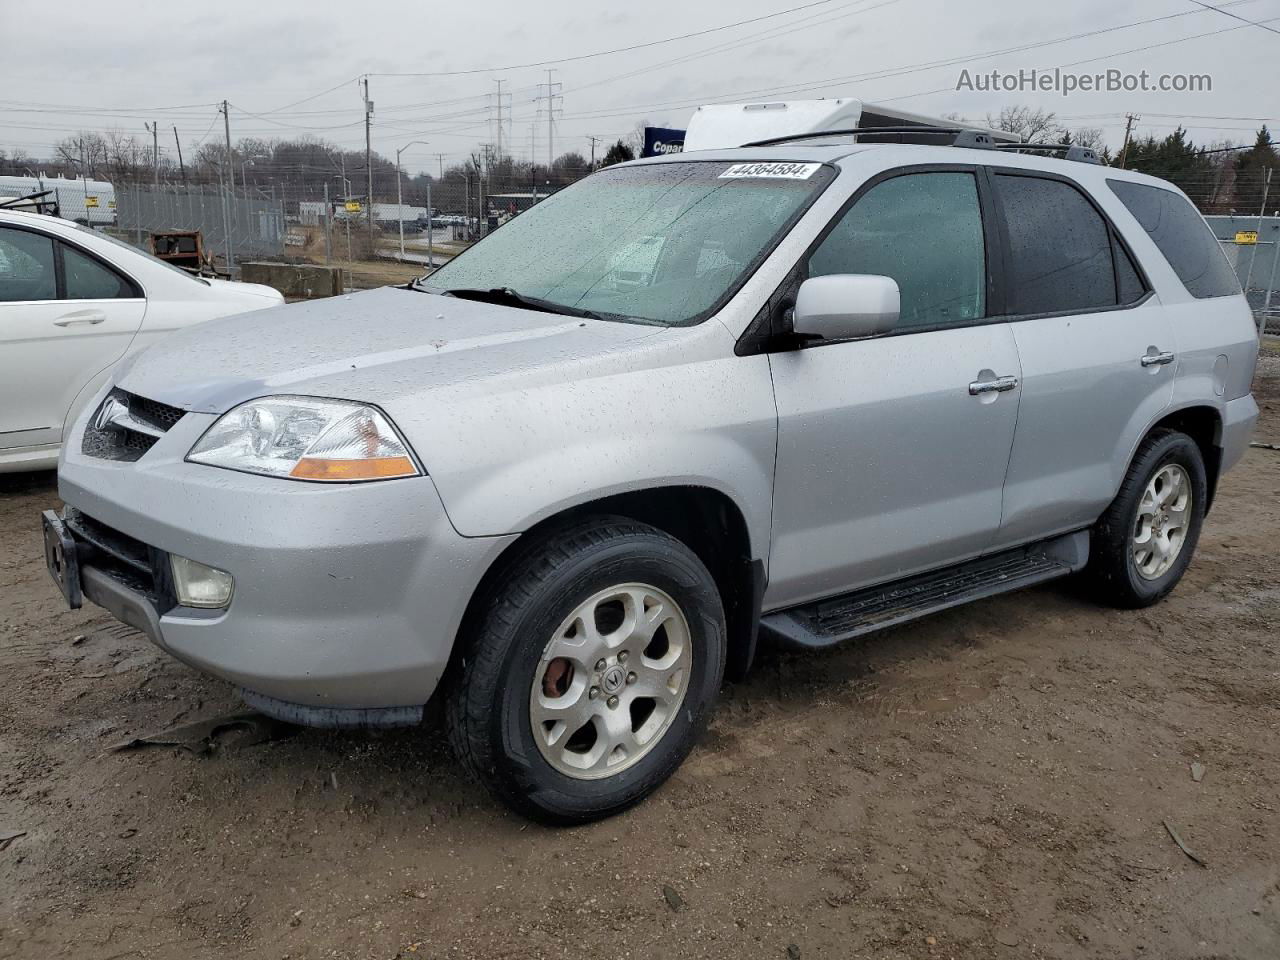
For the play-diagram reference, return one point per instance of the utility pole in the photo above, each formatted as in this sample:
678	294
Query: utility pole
594	141
552	95
499	83
154	130
181	166
346	185
368	159
231	187
1128	127
440	157
226	129
328	225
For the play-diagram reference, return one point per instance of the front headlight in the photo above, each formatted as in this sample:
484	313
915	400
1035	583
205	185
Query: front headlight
306	439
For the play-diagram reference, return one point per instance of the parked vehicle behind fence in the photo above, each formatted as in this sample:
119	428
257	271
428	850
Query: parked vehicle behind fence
800	391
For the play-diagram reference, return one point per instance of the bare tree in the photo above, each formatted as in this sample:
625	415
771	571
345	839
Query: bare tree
16	164
125	156
86	151
635	139
1031	124
1090	137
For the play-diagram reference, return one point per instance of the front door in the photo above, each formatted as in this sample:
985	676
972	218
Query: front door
64	317
892	450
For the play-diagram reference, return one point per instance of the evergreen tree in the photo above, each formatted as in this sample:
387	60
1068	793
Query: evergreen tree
1251	172
620	152
1173	158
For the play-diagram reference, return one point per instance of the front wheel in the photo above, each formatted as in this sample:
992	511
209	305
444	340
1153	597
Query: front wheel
591	673
1143	544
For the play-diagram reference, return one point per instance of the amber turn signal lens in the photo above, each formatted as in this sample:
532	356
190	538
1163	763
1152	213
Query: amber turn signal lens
379	468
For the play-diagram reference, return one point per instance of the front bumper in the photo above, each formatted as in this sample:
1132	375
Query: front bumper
347	596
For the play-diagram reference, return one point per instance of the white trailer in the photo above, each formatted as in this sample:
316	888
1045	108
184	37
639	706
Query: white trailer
91	202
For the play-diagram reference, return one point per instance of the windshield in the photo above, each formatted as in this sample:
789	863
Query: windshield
664	243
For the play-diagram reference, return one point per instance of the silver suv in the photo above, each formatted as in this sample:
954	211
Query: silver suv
797	392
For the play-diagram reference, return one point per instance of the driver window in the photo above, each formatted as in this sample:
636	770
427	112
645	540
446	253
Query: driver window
925	231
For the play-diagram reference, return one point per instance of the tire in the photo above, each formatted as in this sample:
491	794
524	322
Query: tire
512	675
1125	570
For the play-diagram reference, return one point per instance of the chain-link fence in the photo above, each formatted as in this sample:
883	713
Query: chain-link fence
1252	244
235	226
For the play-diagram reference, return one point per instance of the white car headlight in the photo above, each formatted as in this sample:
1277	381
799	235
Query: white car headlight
306	439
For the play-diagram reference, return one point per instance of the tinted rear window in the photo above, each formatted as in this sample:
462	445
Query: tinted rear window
1182	236
1059	248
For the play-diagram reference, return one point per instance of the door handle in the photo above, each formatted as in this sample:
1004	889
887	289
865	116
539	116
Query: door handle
80	318
1157	359
998	385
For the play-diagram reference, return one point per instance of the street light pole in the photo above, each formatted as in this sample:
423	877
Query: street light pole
400	202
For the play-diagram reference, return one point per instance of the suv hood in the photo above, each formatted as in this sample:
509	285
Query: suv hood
375	347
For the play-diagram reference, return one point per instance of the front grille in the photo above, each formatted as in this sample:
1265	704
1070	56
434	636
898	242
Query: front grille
125	426
125	559
154	412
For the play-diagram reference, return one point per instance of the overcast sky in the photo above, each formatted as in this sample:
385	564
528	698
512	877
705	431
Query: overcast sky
100	65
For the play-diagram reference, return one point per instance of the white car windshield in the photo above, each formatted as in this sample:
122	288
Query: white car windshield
663	243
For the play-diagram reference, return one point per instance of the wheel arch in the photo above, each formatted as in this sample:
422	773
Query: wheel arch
1203	424
706	520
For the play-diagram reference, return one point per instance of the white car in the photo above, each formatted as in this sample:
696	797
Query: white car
73	303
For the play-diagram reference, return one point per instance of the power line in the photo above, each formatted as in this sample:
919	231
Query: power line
1108	56
1235	16
904	70
606	53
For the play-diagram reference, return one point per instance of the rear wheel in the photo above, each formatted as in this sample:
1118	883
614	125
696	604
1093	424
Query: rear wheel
589	676
1143	544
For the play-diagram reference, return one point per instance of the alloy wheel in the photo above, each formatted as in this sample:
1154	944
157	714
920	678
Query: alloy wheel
610	681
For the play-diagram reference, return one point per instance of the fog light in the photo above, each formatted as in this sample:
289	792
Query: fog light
199	586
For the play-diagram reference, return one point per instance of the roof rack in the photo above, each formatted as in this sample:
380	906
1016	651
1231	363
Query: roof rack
1071	151
31	201
960	136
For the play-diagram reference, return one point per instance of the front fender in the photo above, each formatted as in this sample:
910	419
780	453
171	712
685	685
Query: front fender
505	461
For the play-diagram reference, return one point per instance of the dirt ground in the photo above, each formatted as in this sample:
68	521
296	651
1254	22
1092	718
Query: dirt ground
989	783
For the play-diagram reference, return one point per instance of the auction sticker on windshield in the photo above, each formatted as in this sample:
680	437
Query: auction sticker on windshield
785	171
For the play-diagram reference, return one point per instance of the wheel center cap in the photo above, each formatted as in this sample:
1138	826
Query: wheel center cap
613	679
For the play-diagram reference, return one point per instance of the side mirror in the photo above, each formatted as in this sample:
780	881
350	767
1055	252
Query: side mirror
846	305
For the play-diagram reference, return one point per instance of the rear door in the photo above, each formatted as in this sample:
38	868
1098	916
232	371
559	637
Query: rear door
1096	349
65	315
892	450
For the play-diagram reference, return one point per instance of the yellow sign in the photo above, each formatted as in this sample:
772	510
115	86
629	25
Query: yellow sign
1246	236
90	201
111	204
353	206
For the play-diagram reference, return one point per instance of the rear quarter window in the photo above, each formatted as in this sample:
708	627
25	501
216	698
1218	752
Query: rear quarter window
1182	236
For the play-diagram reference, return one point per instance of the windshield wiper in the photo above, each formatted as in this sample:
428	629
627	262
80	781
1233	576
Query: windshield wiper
515	298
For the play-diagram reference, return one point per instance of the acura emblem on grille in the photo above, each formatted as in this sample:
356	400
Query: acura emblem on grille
109	413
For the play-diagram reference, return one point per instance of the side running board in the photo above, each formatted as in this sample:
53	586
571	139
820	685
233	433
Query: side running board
836	619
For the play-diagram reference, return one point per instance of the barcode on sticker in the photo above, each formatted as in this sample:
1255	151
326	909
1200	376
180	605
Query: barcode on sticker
785	171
